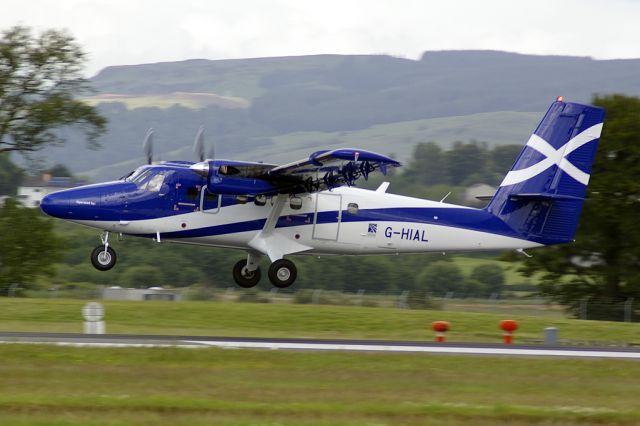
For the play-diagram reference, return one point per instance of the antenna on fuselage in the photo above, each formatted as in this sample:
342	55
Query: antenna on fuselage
147	145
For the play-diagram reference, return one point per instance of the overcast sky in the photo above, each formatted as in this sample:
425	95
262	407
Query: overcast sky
115	32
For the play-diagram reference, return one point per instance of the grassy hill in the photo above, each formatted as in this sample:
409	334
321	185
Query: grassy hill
279	109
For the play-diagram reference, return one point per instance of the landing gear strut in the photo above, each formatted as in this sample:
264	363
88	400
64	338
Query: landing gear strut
103	257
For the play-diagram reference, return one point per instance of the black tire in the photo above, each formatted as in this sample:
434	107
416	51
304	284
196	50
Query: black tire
245	281
282	273
103	261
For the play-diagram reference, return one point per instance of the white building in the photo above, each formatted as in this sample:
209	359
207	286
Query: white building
33	190
481	190
153	293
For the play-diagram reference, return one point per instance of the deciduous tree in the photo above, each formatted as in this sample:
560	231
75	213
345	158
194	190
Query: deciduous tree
40	78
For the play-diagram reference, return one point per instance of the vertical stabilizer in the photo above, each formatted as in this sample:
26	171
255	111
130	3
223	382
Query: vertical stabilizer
542	195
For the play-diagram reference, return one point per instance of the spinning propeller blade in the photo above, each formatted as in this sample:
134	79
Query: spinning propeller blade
147	145
198	144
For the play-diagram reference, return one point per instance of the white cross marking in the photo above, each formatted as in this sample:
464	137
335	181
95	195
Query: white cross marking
554	157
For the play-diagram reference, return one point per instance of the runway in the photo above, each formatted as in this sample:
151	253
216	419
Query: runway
127	340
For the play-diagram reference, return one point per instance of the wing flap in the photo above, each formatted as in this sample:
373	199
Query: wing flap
333	168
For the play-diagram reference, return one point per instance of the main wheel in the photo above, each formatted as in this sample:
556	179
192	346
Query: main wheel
282	273
243	277
102	259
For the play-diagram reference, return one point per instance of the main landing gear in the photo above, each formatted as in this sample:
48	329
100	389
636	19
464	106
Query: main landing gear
103	257
282	273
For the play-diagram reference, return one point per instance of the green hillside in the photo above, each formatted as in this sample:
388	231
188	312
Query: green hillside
279	109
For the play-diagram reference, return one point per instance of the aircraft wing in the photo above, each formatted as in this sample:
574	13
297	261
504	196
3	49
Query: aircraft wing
330	169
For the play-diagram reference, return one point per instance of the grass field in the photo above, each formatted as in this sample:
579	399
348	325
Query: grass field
61	385
291	320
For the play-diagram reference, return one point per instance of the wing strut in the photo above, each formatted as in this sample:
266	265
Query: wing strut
274	245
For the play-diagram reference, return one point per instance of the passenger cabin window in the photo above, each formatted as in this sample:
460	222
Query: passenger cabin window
352	208
208	196
193	192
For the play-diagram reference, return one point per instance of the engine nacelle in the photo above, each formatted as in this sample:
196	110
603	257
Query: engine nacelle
239	186
235	178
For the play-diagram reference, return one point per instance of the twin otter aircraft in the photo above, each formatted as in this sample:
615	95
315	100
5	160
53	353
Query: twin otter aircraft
312	207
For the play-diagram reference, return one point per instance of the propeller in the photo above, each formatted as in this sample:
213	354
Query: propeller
199	147
147	145
202	167
198	144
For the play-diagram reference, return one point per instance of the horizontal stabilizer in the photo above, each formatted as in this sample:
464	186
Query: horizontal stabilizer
542	196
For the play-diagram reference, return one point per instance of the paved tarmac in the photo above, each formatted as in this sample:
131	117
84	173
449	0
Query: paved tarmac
129	340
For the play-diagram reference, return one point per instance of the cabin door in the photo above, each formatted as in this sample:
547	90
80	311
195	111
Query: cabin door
327	216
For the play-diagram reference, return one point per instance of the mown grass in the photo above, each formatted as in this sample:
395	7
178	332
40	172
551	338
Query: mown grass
290	320
62	385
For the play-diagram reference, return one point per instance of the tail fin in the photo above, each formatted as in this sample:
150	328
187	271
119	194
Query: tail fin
542	195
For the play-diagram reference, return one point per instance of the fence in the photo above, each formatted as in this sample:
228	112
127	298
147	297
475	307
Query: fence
586	308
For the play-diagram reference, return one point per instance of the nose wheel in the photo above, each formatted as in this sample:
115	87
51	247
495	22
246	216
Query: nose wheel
103	258
282	273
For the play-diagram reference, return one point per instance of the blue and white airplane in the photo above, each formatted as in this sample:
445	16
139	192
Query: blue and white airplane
312	207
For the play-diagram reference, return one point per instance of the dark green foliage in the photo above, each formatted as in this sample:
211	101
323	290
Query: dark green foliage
10	175
28	246
39	80
428	165
490	278
465	160
433	172
603	263
59	170
142	276
441	278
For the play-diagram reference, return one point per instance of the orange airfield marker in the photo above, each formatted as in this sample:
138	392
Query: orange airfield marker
509	326
440	327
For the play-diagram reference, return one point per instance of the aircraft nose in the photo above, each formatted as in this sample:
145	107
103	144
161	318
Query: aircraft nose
56	205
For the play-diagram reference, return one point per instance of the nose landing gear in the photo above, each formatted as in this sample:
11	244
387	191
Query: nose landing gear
103	257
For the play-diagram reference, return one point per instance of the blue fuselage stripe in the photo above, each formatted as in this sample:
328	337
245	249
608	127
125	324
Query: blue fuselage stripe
470	219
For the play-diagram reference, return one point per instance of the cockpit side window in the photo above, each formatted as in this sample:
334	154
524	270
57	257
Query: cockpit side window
154	184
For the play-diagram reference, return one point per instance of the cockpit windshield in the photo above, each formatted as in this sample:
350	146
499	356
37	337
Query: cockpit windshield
147	178
136	175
